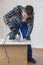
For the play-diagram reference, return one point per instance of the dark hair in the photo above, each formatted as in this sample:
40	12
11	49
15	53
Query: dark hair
29	9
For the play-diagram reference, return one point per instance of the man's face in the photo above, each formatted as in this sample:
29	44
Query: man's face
24	14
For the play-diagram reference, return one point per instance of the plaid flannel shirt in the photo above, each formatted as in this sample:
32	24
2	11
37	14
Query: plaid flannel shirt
14	17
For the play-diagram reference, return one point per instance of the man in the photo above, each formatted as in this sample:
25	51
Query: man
21	18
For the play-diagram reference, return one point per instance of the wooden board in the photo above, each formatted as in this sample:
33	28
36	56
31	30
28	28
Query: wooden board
17	54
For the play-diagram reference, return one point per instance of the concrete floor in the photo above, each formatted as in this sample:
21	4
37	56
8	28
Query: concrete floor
37	55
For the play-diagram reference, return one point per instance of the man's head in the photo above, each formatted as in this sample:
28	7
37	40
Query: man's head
27	11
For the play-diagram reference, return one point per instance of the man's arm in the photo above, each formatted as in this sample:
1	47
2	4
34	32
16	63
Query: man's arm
12	16
8	16
30	25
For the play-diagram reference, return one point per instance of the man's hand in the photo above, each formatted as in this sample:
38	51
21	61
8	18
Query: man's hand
28	37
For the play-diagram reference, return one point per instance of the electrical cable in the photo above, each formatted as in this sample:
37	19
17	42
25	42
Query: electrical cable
6	49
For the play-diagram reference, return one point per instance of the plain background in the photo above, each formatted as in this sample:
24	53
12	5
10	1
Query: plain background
37	33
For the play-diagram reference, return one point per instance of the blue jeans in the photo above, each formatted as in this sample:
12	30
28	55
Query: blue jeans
24	32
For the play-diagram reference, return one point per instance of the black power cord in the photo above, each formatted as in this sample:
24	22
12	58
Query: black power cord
6	49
